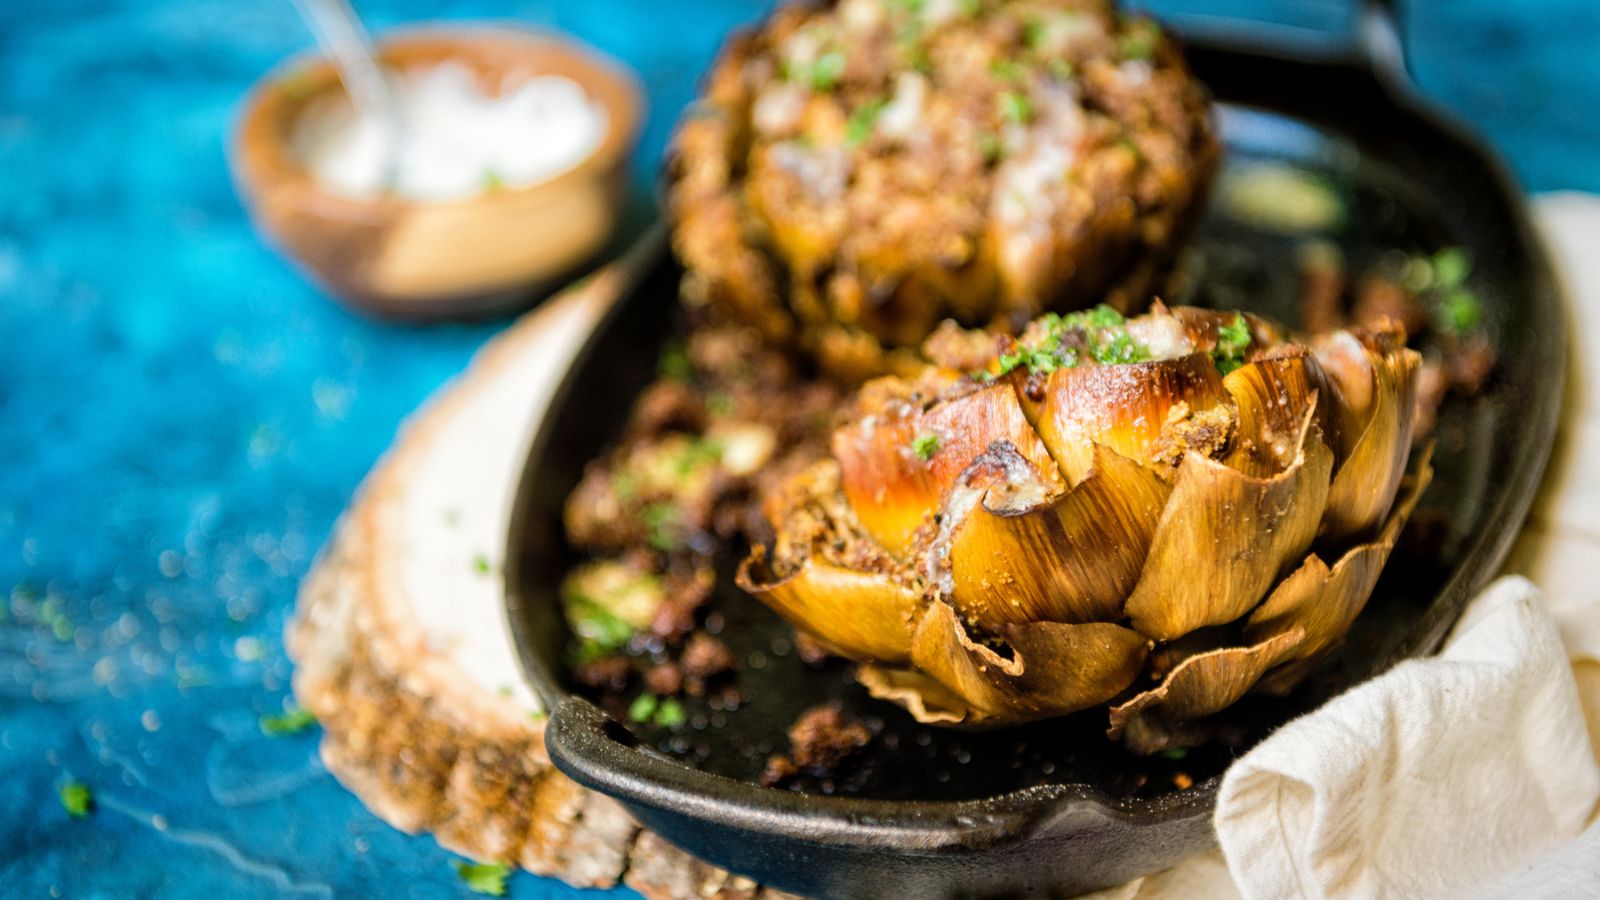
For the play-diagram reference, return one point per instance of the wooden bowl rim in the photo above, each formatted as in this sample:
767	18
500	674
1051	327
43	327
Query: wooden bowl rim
263	160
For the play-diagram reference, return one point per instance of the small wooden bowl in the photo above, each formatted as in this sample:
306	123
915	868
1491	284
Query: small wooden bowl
417	259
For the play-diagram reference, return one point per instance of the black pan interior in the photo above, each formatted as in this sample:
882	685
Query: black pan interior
1405	191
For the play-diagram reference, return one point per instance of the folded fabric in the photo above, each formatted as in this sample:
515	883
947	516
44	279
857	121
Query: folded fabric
1435	779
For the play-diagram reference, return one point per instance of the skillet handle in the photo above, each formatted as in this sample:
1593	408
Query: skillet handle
1379	39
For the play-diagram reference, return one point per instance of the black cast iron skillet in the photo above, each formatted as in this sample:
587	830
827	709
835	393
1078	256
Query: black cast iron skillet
1056	808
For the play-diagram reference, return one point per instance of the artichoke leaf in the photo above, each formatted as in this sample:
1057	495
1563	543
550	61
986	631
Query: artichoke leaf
1225	537
1324	601
859	615
1376	375
897	464
1201	685
925	699
1018	556
1124	407
1053	668
1271	395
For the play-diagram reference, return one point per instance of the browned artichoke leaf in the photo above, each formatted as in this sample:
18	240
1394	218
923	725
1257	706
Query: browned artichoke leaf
1124	407
1199	686
896	464
1376	376
1053	668
1272	395
1324	601
862	615
1019	555
927	700
1224	538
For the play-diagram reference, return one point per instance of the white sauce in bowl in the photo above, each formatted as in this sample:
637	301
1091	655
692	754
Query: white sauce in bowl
457	140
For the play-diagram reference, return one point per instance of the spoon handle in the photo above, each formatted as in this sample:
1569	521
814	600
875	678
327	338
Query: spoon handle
345	39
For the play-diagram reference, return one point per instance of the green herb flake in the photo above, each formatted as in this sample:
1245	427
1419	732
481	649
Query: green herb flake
492	181
970	8
1061	69
1033	34
76	799
925	446
661	521
1139	41
600	631
480	564
643	707
1451	266
484	878
1233	341
670	714
625	485
862	121
1015	107
1006	70
674	363
1176	754
1120	349
1460	311
702	452
291	721
824	73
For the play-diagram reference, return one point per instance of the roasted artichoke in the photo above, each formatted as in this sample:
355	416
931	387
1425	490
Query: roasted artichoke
1160	514
857	172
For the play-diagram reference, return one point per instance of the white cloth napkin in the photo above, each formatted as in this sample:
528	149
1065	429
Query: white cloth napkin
1472	773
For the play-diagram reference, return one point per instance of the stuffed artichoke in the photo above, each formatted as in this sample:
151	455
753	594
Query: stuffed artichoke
1159	513
858	172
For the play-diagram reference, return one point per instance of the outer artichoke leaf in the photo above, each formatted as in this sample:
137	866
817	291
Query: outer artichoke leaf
928	701
1272	395
1225	537
1376	375
891	486
1324	602
1018	556
1125	407
868	616
1201	685
1053	669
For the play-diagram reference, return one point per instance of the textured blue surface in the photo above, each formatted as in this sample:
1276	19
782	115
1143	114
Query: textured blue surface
182	417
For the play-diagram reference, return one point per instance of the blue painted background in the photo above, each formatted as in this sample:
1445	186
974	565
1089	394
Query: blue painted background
182	417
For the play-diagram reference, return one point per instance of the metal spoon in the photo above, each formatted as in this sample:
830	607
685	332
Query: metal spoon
345	39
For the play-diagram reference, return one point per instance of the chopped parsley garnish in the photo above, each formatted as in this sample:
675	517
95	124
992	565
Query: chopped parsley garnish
289	722
661	521
1015	107
1460	311
862	121
1006	70
1119	348
600	631
825	71
670	713
1442	279
665	712
480	564
76	799
700	452
674	362
1175	753
1139	41
492	181
484	878
643	707
1233	340
925	446
1033	34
